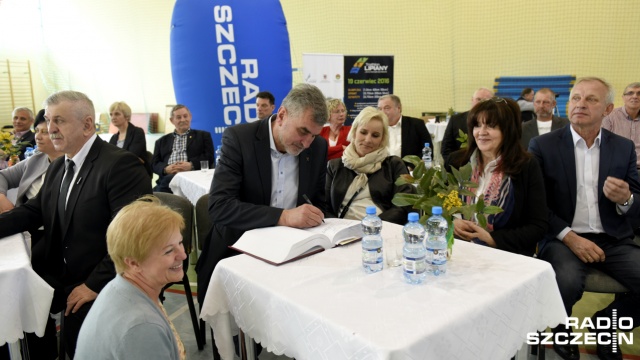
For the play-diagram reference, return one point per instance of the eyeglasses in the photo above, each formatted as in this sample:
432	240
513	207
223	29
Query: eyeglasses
495	99
631	93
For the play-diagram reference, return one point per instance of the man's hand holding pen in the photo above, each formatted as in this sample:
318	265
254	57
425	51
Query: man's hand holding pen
303	216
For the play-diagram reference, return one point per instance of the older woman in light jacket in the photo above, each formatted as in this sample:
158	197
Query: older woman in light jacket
28	176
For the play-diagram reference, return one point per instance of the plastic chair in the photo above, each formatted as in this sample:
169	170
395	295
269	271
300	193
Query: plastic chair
184	207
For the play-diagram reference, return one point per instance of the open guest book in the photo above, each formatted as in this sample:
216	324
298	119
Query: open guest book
281	244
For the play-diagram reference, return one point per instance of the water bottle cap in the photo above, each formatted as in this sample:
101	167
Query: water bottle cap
28	148
426	145
218	147
371	210
436	210
413	216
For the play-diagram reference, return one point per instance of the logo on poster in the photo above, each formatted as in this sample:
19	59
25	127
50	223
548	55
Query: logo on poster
358	65
375	68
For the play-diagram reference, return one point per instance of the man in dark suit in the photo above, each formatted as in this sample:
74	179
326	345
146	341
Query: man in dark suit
543	104
266	169
265	104
181	150
22	121
81	193
407	135
591	182
458	122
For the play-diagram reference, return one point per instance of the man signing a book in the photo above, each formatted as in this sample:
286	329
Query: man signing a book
266	170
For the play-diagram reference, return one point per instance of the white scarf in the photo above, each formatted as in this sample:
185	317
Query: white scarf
362	165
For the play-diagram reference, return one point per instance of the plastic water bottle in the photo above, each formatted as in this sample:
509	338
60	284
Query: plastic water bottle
28	152
371	241
218	154
414	267
436	242
426	156
35	149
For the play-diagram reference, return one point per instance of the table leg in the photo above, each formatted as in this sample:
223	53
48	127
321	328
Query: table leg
247	347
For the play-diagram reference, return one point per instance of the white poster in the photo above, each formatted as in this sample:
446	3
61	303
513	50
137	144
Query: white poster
326	71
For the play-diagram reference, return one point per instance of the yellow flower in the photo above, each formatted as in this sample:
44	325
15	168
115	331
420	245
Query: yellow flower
451	200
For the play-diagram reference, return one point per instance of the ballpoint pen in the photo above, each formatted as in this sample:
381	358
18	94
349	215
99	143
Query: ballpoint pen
306	198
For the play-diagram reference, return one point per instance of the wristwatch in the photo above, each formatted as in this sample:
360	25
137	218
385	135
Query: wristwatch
629	202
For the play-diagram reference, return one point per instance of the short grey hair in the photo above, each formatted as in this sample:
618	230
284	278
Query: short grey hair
24	108
633	85
307	97
392	97
86	107
610	93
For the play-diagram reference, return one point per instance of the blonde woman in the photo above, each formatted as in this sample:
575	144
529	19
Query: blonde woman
366	173
127	320
336	133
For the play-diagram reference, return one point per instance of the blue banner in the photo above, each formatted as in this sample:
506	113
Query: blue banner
222	54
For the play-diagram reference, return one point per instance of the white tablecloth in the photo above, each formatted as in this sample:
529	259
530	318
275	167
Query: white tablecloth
192	184
26	298
437	130
326	307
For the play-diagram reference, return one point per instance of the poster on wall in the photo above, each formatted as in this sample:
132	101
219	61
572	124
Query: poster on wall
326	72
216	67
367	77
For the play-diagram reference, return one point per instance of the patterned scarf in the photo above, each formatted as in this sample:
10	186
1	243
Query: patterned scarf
364	165
498	192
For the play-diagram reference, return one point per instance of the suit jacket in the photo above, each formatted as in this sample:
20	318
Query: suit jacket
240	195
199	147
528	222
530	129
381	186
555	153
76	252
451	134
22	175
414	135
29	137
136	143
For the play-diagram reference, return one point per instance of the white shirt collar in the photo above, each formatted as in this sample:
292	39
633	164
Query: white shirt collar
78	159
576	137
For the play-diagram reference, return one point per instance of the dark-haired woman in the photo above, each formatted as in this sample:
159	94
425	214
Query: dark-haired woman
507	176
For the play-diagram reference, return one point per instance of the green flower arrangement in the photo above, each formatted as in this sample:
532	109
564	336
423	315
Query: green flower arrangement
438	187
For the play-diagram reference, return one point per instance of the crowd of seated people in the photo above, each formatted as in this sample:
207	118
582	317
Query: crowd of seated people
342	171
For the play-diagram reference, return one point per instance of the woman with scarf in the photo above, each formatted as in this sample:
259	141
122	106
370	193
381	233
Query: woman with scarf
507	176
366	173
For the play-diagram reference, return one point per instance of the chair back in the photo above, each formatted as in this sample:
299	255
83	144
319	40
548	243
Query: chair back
203	222
147	163
527	115
184	208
